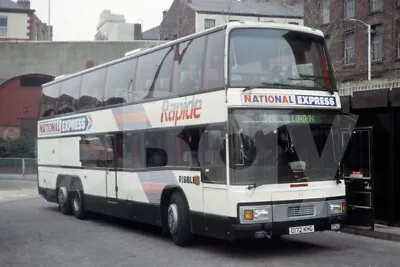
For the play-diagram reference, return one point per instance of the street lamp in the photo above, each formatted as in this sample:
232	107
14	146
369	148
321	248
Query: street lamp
369	45
48	22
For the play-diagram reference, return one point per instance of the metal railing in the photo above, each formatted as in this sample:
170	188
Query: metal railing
18	166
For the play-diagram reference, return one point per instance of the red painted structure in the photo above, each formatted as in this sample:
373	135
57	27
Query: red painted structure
19	101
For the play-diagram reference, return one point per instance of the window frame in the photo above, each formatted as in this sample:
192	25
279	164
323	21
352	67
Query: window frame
347	48
209	21
4	28
375	43
398	43
325	6
375	5
347	7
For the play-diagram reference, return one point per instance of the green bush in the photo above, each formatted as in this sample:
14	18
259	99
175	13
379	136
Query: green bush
22	147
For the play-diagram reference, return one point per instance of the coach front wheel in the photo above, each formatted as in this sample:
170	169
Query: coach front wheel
179	221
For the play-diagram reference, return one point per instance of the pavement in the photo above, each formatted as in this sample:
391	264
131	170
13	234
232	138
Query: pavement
380	232
11	190
28	177
34	233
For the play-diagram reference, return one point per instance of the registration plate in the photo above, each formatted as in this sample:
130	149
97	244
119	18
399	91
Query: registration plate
301	230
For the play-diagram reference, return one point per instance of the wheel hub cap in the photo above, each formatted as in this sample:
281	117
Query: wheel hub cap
173	218
76	201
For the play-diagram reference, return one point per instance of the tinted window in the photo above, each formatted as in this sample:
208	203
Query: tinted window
68	101
92	89
157	147
190	59
162	82
119	82
96	151
49	99
132	148
214	66
211	154
154	70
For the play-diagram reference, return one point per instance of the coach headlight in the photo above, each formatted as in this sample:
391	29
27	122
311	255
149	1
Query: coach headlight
337	208
255	214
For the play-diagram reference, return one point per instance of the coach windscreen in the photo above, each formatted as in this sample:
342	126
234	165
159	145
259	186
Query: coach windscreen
261	57
283	146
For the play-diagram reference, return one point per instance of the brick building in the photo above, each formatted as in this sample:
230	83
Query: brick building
189	16
19	22
348	40
19	105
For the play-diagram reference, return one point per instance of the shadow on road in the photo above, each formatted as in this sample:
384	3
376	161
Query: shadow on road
237	250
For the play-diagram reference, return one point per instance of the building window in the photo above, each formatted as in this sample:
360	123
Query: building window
398	42
375	5
325	11
209	23
3	27
377	42
349	44
328	42
349	8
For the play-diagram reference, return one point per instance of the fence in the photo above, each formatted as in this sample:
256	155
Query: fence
349	88
18	166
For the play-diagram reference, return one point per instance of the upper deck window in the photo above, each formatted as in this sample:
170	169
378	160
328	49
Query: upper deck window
260	57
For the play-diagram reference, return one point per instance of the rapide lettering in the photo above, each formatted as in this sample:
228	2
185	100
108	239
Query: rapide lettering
184	110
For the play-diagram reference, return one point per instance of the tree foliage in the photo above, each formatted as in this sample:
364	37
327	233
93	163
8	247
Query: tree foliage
22	147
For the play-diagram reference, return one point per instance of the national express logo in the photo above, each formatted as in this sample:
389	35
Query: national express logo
70	125
297	100
175	110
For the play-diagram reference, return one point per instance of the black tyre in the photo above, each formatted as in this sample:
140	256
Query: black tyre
77	200
63	198
178	220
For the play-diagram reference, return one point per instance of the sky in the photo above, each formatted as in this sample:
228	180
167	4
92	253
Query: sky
75	20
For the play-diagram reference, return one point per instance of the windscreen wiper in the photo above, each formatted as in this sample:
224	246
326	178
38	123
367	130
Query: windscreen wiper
311	78
337	179
255	185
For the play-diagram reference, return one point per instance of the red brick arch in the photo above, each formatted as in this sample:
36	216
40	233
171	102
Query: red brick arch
19	100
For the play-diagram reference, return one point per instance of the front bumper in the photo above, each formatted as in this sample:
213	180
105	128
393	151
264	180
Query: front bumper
240	231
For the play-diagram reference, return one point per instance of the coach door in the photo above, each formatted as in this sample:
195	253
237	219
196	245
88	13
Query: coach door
357	172
111	167
213	176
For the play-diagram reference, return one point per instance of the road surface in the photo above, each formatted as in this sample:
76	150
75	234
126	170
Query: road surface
34	233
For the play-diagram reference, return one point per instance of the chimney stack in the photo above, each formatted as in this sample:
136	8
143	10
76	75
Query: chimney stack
137	31
24	3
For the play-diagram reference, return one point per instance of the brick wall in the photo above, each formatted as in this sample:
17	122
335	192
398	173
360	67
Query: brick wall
335	31
180	20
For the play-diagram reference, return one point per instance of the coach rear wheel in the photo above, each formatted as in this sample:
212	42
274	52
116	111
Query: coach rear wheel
64	203
179	221
77	201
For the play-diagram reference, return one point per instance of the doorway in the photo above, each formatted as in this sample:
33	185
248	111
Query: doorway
357	170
